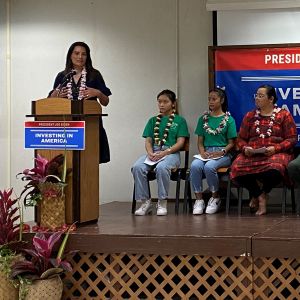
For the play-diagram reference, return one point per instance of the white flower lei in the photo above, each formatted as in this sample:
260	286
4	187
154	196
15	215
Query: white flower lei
221	126
81	88
157	140
271	123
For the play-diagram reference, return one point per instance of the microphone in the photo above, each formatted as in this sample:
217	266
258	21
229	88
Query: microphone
68	75
65	80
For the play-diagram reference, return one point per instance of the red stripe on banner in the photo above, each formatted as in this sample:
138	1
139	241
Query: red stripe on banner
257	59
55	124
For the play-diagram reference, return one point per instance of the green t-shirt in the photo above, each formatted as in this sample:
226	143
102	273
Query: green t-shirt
218	140
178	129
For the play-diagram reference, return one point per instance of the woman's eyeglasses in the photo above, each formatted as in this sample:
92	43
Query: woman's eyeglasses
259	96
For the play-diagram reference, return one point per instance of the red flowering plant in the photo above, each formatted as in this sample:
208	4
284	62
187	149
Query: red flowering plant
41	178
10	230
40	262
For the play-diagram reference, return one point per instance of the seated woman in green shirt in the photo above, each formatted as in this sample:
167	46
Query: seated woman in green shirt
216	132
164	136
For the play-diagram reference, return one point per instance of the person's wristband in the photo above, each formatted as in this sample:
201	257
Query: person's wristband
224	151
169	150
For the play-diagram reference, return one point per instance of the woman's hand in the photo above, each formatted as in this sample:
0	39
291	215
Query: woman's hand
151	155
248	151
270	151
158	155
215	154
59	93
90	93
204	154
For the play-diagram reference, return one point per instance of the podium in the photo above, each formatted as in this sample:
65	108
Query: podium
82	190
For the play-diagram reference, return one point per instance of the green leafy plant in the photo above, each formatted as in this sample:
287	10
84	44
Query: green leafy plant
45	171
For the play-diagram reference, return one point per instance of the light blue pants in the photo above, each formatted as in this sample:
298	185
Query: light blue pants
163	173
207	169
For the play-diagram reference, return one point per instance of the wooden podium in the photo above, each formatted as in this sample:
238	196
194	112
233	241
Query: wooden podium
82	191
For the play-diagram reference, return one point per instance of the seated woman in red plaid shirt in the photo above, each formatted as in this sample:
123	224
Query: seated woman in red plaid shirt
266	140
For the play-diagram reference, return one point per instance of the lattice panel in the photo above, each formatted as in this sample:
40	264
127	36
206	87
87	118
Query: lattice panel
276	278
122	276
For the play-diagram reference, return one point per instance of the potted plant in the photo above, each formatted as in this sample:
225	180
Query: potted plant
45	188
38	274
10	241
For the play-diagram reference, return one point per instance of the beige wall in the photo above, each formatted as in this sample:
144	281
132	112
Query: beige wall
140	46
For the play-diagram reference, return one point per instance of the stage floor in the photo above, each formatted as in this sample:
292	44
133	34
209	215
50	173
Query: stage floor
118	231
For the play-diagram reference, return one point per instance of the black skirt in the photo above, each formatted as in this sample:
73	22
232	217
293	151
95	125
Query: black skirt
104	153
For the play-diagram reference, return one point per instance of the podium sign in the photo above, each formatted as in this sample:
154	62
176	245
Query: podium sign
53	135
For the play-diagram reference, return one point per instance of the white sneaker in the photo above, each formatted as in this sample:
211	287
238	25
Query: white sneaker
213	205
145	208
198	207
161	208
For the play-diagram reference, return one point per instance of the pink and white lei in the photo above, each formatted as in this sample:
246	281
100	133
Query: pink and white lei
219	129
271	123
81	88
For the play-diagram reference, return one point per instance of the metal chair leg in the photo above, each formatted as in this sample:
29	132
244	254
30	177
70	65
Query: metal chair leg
177	195
133	206
186	183
283	210
240	196
228	196
190	198
298	201
293	199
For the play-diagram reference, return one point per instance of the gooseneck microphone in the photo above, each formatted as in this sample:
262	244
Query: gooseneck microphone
68	75
65	80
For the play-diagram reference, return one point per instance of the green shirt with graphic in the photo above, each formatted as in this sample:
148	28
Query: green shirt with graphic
178	129
218	140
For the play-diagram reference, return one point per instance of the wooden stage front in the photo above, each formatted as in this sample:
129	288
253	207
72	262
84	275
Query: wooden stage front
185	256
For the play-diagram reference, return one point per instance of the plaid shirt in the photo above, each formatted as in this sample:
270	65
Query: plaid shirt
283	138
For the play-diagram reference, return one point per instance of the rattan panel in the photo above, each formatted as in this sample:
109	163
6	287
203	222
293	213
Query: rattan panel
276	278
122	276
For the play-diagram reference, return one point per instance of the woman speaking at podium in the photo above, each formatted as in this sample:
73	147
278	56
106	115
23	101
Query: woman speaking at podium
79	81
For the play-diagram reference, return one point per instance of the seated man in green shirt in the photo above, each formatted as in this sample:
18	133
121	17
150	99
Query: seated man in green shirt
164	137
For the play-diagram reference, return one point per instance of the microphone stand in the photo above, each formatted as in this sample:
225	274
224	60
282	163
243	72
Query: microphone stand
66	79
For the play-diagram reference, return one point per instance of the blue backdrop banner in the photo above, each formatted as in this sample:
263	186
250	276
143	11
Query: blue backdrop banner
242	71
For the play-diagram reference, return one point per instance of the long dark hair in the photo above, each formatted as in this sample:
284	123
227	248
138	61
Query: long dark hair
271	92
88	65
223	97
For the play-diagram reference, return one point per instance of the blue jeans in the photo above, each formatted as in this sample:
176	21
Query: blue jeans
208	169
163	174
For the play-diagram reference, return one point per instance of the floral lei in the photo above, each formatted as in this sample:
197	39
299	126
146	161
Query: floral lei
271	123
219	129
81	88
157	140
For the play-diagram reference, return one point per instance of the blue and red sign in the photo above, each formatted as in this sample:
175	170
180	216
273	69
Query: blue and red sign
55	135
242	71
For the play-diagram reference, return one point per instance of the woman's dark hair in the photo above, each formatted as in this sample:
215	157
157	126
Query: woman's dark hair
88	64
271	92
221	93
171	95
